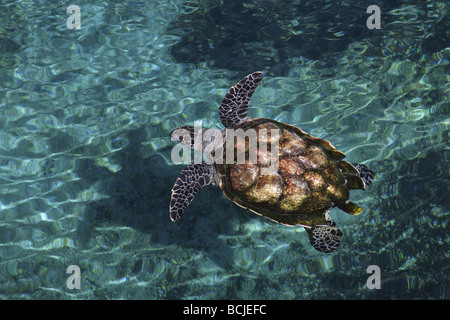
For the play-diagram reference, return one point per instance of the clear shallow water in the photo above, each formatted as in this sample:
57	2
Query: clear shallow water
85	169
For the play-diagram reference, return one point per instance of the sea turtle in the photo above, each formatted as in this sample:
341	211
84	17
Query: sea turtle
309	179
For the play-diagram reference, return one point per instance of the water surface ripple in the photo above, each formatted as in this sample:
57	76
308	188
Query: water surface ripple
85	169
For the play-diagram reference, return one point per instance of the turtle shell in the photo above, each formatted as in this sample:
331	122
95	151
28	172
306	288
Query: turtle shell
288	176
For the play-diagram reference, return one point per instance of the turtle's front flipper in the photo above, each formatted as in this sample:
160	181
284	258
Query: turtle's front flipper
325	239
191	180
233	110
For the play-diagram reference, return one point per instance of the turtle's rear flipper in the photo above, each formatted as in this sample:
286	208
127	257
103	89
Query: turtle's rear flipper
324	239
365	174
191	180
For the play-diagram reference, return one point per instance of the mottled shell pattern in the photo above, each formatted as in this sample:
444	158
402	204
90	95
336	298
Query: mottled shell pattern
308	177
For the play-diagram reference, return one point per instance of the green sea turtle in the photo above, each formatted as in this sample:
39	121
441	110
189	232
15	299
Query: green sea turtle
308	180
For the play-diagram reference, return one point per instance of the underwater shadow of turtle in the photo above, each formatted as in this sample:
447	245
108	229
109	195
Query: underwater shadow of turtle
137	196
134	196
311	178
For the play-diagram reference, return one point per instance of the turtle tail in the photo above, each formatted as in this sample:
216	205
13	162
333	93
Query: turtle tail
358	176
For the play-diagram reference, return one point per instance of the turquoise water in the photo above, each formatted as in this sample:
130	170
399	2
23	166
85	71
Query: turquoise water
85	168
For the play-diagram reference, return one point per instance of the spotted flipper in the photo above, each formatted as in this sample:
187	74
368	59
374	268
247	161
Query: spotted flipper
365	174
325	238
233	110
358	176
191	180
